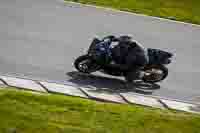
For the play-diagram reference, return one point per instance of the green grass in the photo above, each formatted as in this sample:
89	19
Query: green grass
181	10
22	112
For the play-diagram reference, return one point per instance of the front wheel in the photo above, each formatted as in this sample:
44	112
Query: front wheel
84	64
155	73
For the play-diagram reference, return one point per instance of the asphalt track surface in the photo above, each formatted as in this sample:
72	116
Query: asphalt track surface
40	39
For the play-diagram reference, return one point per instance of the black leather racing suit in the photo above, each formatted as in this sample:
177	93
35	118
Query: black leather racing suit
129	56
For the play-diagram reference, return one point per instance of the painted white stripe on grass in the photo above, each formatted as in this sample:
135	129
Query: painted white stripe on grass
102	94
142	100
131	13
1	83
63	89
23	83
96	93
181	106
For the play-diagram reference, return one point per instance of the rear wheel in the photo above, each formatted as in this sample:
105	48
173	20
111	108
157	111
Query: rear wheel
84	64
155	73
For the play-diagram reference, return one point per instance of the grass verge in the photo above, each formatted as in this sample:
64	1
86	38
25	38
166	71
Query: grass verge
22	112
181	10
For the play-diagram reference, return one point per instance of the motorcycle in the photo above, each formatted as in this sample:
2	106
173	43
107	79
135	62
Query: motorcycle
98	58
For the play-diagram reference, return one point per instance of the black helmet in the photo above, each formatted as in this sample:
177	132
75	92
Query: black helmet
125	38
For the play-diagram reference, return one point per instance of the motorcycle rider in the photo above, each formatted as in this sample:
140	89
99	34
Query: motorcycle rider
129	56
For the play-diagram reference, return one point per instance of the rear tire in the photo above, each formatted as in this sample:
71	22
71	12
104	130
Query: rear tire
152	78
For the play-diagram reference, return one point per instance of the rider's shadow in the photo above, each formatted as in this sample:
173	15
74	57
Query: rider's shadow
110	85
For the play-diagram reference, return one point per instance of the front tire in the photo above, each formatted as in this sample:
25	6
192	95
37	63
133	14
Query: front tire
84	64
